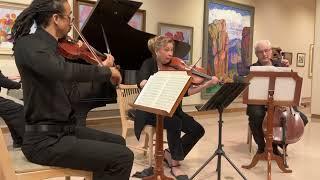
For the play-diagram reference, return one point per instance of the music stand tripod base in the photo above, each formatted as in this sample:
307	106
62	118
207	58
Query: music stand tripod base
226	94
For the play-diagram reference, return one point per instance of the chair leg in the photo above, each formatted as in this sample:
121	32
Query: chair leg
67	178
124	131
150	146
249	139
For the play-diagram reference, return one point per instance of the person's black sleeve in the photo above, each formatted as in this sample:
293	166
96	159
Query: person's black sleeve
145	71
8	83
48	64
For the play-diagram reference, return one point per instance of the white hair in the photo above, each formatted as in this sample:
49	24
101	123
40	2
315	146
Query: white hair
262	43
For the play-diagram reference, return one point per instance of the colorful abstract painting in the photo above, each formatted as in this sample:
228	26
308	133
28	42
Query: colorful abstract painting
227	40
8	16
179	33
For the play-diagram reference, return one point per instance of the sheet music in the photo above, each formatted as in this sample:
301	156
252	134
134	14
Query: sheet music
270	68
284	86
162	90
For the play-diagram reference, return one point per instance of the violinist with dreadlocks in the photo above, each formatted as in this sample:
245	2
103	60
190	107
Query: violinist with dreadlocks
51	136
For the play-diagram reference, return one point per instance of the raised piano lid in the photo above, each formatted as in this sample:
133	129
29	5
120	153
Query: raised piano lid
127	45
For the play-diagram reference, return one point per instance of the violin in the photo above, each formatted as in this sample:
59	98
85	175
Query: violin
69	49
198	74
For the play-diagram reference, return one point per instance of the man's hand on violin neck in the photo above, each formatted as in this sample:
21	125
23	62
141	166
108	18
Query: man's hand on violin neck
109	61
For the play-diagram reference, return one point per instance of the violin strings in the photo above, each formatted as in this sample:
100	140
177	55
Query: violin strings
87	44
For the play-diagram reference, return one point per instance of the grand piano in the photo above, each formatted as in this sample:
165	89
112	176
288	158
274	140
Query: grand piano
127	45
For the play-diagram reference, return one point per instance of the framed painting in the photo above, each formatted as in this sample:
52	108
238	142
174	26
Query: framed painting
179	33
8	15
138	21
301	59
227	40
82	10
311	55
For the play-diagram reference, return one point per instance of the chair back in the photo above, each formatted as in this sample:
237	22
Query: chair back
126	96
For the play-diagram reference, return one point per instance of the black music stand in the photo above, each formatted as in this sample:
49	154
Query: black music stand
220	100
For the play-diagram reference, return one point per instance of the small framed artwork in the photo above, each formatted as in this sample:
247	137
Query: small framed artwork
301	59
138	21
8	14
287	56
179	33
311	55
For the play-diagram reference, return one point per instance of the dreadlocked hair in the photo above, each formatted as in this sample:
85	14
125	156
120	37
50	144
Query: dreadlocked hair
39	11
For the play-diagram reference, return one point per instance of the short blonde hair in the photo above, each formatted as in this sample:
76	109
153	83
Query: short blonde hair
157	42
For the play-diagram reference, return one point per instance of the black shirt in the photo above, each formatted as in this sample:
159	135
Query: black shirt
8	83
148	68
44	72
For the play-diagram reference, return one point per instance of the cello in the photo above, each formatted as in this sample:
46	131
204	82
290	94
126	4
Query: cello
288	127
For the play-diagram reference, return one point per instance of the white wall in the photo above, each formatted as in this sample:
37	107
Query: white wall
290	27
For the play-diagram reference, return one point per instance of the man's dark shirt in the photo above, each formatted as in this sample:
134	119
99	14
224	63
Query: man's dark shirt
8	83
43	73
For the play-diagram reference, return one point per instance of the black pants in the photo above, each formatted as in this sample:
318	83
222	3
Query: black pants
13	115
85	149
256	115
180	122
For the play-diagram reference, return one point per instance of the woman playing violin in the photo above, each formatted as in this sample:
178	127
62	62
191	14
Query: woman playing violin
162	49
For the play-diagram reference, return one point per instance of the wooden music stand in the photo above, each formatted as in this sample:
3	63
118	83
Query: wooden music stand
272	89
170	85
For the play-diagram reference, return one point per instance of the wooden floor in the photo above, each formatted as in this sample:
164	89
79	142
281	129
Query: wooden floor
303	158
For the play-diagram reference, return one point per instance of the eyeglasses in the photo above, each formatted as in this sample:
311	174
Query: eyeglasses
263	51
70	17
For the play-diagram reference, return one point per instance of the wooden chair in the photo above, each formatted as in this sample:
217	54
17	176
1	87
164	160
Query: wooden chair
126	95
14	166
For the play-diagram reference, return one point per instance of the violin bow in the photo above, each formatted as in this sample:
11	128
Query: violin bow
107	45
199	73
89	47
105	40
195	63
